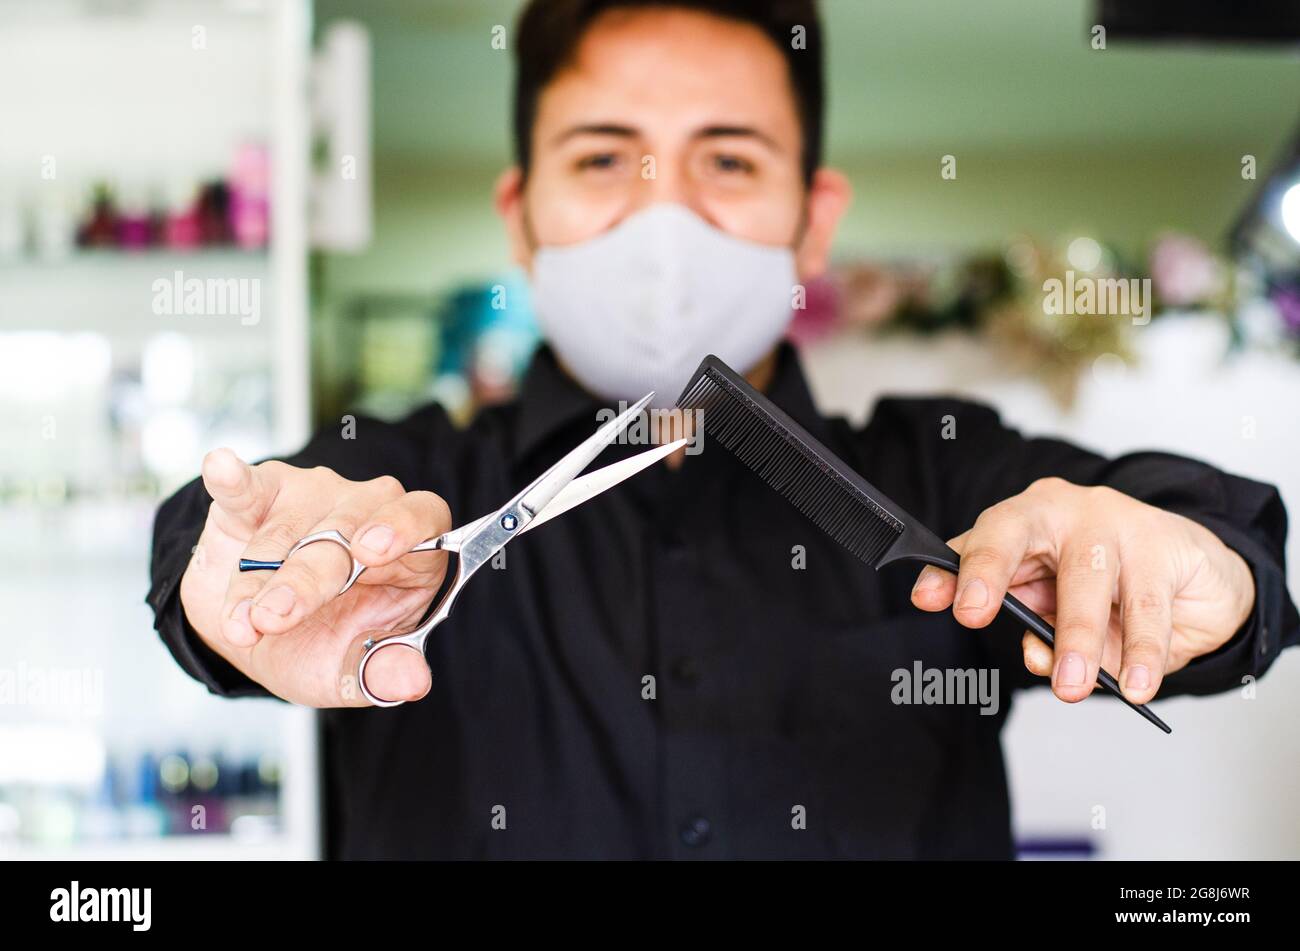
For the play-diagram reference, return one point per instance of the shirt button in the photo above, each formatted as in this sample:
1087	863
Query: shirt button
686	671
695	831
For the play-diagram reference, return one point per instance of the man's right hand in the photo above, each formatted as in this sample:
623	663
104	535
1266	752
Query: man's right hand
290	630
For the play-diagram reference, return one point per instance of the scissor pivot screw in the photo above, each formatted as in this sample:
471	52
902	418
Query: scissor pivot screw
509	522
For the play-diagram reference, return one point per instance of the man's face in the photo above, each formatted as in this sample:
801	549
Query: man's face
671	106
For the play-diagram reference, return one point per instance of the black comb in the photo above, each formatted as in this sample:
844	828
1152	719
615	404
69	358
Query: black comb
838	500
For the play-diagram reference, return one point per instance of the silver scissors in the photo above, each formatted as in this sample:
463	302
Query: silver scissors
556	490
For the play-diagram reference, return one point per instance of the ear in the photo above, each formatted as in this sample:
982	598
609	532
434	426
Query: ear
829	197
508	199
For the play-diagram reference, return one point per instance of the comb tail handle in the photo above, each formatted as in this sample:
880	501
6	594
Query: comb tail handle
919	544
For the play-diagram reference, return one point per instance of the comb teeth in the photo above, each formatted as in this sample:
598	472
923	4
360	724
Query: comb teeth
789	461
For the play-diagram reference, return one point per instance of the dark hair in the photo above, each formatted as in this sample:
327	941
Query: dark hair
548	32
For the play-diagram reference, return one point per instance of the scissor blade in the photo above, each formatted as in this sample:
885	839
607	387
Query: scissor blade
541	493
592	484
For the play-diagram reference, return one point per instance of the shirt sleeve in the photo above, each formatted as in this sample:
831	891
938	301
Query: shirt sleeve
970	460
368	449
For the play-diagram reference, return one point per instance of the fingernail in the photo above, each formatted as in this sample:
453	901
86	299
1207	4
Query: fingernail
974	595
927	581
1139	678
1072	671
277	600
243	626
377	539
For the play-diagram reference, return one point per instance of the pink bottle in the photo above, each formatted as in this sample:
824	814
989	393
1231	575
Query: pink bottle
250	191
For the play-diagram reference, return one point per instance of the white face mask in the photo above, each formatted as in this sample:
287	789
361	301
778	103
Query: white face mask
636	308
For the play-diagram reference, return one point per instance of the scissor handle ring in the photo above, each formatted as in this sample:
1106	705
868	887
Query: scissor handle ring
413	641
329	535
335	536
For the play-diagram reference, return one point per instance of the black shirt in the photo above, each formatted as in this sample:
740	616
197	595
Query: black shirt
769	727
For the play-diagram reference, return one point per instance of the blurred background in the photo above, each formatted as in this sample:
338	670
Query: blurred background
224	222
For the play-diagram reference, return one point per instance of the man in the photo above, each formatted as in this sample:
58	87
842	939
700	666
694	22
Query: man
651	675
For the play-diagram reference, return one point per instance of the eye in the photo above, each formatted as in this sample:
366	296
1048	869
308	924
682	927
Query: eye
732	164
597	162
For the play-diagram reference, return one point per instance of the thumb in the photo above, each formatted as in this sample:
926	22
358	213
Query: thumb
399	672
241	492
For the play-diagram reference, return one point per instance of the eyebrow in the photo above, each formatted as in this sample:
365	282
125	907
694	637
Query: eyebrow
737	131
595	128
708	132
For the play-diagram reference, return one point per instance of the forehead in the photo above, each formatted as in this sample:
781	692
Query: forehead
659	69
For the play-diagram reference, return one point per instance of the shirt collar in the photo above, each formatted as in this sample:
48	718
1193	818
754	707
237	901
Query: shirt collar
550	400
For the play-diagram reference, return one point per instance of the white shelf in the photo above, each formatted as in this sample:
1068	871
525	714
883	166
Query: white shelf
119	258
134	102
112	292
171	849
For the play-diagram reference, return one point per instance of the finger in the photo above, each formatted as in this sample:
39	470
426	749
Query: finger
1039	595
993	550
1038	656
397	673
242	493
1085	583
936	588
399	525
1146	594
270	542
317	572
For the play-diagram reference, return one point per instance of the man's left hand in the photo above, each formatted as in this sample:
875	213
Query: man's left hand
1128	587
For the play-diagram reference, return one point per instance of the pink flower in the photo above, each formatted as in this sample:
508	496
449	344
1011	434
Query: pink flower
1184	271
819	315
